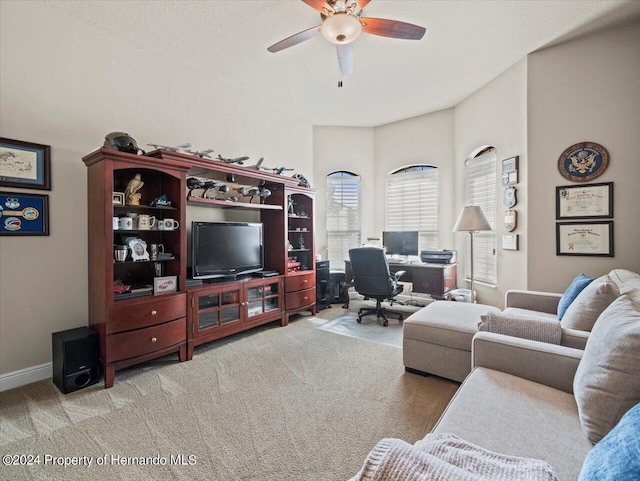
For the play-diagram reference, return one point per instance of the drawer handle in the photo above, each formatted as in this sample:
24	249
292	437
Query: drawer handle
305	298
305	281
154	339
153	313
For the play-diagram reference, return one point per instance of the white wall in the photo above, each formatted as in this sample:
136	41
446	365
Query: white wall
427	139
65	84
584	90
342	148
496	115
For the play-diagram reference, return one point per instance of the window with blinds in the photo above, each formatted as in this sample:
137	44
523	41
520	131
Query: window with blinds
412	203
480	177
343	216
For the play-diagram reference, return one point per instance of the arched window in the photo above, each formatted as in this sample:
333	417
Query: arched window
412	203
343	216
480	177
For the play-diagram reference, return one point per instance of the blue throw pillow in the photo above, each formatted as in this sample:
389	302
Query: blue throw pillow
580	282
617	456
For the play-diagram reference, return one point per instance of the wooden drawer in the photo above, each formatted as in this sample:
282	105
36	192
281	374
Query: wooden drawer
156	311
297	283
126	345
301	298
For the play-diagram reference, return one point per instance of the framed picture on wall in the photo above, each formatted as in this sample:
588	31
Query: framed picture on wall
24	214
587	201
25	164
584	239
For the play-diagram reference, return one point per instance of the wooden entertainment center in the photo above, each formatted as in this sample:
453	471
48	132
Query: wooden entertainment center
136	327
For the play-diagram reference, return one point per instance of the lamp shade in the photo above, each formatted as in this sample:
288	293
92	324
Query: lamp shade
471	218
341	28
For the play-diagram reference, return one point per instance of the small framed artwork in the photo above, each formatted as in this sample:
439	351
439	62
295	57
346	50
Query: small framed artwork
587	201
138	249
118	198
25	164
584	239
24	214
163	285
510	242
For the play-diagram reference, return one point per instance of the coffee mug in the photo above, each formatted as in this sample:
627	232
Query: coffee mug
168	224
116	223
125	223
146	222
155	250
120	253
134	219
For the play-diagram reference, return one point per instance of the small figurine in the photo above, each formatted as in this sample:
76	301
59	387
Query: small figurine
290	206
301	242
302	180
162	201
131	195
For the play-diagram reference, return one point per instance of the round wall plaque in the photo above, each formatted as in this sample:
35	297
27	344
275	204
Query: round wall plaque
509	197
583	162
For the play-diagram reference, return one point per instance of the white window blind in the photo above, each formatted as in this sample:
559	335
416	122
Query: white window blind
343	216
412	204
480	189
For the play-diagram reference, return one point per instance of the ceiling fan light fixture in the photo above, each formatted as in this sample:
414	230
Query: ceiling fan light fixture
341	28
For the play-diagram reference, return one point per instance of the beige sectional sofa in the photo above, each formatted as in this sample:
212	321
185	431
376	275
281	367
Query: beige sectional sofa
546	401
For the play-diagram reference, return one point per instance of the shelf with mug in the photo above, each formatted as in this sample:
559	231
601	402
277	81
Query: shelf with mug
120	263
134	208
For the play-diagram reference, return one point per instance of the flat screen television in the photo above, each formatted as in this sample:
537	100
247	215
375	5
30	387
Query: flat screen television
226	249
403	243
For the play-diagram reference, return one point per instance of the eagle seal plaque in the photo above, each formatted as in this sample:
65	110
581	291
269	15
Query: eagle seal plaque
583	162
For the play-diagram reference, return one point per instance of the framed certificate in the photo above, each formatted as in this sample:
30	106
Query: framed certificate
584	239
590	201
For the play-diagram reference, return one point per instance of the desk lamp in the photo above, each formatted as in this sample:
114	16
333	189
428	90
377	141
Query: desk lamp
471	219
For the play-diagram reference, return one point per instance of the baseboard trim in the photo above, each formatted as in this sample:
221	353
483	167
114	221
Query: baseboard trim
26	376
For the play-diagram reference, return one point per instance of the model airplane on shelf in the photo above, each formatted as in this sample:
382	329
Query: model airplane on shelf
177	148
276	170
217	187
201	153
237	160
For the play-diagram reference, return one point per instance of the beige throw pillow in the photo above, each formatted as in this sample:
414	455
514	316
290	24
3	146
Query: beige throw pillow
585	309
607	381
534	328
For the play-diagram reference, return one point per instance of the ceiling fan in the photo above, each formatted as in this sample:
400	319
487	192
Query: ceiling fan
342	24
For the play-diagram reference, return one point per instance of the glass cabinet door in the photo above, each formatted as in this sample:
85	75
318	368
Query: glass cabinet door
218	308
262	299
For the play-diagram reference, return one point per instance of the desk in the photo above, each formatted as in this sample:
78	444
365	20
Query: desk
437	280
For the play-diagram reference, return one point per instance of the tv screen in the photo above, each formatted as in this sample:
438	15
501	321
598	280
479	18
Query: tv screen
404	243
224	249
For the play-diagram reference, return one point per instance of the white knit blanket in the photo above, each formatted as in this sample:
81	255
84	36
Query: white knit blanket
445	457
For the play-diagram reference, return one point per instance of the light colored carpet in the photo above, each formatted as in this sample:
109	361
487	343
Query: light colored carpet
273	403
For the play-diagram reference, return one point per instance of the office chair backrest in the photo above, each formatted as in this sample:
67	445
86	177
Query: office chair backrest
371	271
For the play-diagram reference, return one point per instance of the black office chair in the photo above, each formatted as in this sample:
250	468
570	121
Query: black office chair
372	279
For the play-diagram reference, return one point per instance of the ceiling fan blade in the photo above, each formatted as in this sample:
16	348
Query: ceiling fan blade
319	5
392	28
363	3
295	39
345	58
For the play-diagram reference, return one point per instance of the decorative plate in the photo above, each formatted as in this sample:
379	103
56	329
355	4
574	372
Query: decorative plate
583	162
509	198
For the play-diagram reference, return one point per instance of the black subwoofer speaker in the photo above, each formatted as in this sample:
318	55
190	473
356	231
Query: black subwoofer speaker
75	359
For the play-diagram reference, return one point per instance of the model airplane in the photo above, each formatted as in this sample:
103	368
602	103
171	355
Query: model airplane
177	148
201	153
217	187
237	160
257	165
276	170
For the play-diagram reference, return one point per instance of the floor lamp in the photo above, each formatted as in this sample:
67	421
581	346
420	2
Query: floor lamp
471	219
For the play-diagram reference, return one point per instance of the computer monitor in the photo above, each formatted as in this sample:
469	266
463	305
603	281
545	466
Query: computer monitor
403	243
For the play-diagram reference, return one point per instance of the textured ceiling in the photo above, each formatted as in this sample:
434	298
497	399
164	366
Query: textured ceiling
466	45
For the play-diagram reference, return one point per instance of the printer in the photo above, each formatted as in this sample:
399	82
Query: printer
438	257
